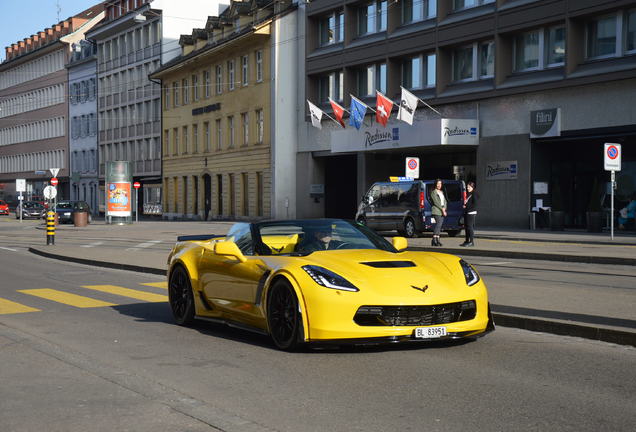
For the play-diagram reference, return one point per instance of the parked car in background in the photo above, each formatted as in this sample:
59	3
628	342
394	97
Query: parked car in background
30	210
4	208
66	209
405	206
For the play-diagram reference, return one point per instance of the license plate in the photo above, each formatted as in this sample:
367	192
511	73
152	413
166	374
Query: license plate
430	332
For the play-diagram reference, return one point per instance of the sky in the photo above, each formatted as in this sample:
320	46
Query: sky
22	18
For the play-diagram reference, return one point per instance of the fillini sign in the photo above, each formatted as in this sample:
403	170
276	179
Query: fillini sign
545	123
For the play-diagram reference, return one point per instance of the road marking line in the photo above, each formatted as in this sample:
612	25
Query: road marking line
495	263
126	292
92	244
8	307
9	249
163	285
66	298
144	245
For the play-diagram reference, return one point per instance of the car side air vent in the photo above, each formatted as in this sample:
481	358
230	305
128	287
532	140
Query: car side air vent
389	264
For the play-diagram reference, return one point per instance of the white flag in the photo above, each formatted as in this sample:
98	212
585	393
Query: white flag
316	115
408	105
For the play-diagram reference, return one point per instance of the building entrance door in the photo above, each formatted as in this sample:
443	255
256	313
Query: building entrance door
341	197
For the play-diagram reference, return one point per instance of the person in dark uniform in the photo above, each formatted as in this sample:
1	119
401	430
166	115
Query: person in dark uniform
470	213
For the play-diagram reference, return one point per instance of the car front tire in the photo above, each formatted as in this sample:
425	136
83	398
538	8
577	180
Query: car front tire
283	317
180	296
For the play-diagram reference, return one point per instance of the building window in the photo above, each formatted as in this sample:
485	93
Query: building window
219	80
230	72
195	87
259	66
487	59
244	193
372	17
331	86
539	49
185	91
244	70
207	83
475	61
601	37
260	191
166	142
175	141
175	91
230	131
463	63
555	46
418	10
166	101
331	29
259	126
208	144
370	78
219	135
245	120
418	72
630	31
185	140
195	138
466	4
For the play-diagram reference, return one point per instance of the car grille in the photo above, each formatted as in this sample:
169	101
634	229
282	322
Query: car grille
416	315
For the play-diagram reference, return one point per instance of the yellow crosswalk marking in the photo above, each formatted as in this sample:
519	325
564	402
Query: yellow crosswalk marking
66	298
163	285
8	307
126	292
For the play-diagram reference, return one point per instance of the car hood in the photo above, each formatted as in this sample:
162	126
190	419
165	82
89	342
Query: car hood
398	277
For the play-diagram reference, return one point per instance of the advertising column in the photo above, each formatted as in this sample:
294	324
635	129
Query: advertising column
118	192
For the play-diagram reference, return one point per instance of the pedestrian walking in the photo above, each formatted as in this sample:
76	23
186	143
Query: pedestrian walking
438	210
470	213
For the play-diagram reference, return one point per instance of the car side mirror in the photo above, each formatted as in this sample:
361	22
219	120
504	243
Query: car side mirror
229	249
400	243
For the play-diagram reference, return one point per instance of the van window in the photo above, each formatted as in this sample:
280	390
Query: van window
407	194
389	195
453	192
374	194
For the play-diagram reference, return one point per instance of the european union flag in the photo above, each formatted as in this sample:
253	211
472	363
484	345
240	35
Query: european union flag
358	111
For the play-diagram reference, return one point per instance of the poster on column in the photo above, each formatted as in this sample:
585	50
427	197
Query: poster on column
118	199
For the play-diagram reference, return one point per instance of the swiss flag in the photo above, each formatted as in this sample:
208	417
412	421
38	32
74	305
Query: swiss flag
338	111
383	108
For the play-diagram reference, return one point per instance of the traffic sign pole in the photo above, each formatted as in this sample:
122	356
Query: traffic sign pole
136	185
613	185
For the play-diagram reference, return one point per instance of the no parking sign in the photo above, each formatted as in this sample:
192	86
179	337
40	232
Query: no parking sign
412	167
612	157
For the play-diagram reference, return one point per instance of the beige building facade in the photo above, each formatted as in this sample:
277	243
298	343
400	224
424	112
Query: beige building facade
216	100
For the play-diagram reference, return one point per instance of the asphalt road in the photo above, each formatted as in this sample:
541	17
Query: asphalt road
125	366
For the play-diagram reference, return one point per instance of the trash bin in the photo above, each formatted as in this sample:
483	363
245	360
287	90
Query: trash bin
80	218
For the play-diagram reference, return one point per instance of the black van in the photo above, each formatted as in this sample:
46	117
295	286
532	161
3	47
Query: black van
405	206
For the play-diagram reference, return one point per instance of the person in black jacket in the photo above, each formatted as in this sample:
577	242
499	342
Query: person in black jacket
470	213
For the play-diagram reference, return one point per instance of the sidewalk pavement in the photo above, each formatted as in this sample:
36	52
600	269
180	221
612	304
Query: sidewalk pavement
552	314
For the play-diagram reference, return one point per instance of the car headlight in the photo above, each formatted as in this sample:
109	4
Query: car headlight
329	279
471	275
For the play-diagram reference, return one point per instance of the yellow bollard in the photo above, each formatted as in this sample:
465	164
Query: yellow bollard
50	228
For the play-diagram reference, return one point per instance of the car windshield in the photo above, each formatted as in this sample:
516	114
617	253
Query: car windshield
64	205
32	205
302	237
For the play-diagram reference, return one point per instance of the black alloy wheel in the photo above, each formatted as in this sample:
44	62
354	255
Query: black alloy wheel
409	228
181	297
283	317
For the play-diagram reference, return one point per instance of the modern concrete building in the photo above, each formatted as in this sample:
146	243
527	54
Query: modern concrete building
82	83
34	106
229	115
548	81
136	37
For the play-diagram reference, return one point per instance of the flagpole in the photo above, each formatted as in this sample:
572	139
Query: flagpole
430	107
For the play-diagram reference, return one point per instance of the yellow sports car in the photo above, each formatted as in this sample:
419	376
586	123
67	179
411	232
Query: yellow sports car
325	280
